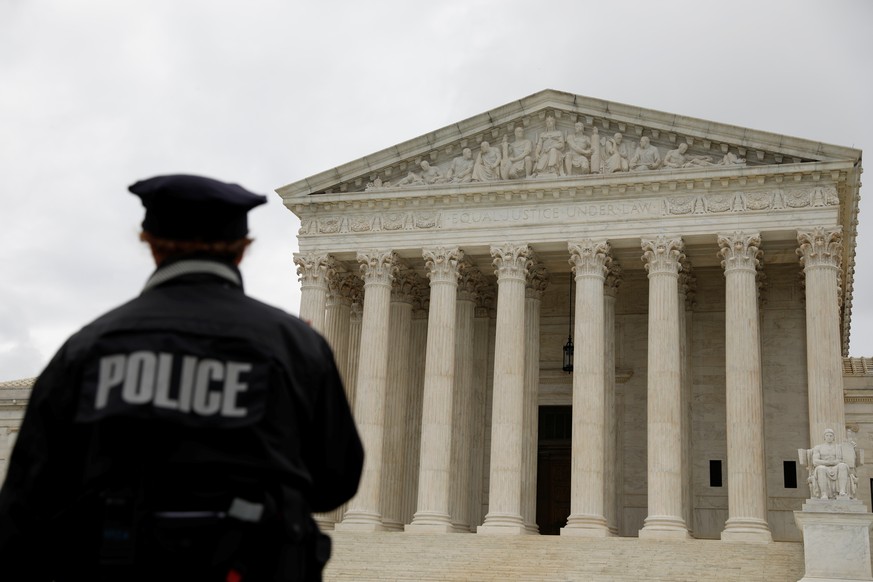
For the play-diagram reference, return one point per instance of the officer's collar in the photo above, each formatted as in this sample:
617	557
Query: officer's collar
169	271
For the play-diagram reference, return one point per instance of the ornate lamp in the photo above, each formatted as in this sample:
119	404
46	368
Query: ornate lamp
568	347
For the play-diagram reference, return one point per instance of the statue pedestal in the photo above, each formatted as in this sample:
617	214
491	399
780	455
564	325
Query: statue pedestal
836	540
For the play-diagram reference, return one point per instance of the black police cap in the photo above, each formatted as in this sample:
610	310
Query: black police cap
184	207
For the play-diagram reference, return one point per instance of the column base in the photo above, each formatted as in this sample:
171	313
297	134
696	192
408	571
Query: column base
460	527
430	522
532	528
392	525
588	526
746	530
505	524
360	521
325	522
664	527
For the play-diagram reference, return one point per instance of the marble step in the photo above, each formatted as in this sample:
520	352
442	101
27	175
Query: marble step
404	557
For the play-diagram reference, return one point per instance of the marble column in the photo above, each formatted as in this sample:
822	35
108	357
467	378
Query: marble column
432	514
336	332
463	399
664	394
378	267
591	261
482	340
395	440
821	256
685	298
507	411
417	351
611	481
313	271
537	282
744	402
351	361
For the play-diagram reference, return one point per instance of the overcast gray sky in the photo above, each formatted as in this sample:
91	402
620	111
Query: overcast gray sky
96	94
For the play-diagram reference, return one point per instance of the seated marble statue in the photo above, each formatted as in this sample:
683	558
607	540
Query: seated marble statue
517	161
579	154
678	159
646	157
461	169
487	166
833	469
549	152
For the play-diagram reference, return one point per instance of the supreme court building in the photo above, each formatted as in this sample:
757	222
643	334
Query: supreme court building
701	274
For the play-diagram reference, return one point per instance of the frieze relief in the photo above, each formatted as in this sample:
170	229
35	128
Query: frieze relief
778	199
692	204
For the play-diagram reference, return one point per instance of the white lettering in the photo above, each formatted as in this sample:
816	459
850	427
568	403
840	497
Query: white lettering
110	376
139	380
232	387
207	403
207	387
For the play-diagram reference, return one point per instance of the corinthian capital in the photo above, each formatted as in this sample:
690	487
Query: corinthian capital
443	264
341	287
739	251
511	261
613	279
314	268
405	280
537	280
378	266
590	258
662	255
821	247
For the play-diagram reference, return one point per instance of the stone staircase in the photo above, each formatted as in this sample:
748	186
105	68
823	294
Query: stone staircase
399	557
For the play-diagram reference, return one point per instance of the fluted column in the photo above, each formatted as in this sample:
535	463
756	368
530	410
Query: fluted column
432	514
463	399
336	332
313	271
350	380
537	282
394	446
378	267
821	256
611	482
417	352
685	299
481	348
664	395
591	261
507	410
744	402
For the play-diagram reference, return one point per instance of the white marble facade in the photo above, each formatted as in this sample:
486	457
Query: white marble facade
712	273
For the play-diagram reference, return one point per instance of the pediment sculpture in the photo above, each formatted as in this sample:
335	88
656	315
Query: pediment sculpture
552	153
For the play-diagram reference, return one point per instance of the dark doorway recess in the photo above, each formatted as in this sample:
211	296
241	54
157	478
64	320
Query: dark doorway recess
553	468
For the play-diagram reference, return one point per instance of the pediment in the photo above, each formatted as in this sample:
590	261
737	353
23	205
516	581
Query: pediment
546	123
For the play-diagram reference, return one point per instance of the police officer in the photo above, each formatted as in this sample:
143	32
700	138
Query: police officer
187	434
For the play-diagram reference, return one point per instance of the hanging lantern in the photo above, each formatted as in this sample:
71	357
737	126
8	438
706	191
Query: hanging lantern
568	347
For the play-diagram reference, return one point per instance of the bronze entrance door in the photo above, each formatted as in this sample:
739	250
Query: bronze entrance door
553	468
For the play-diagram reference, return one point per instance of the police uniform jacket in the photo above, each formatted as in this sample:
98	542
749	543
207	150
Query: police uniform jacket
187	391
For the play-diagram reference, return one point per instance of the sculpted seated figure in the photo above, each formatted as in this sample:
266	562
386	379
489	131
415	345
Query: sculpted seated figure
833	473
549	152
517	161
579	155
487	166
646	157
461	170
